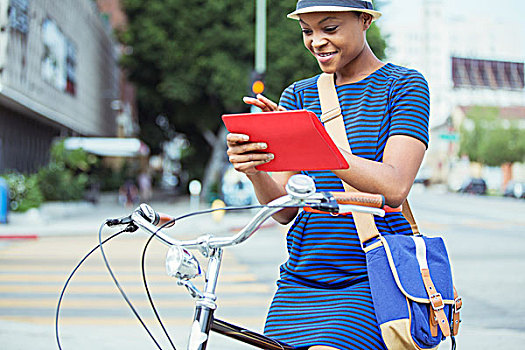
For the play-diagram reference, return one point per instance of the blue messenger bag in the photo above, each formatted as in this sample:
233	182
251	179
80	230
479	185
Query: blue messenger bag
415	302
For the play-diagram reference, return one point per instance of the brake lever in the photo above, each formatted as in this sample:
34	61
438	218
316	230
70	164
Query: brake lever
143	210
327	203
131	228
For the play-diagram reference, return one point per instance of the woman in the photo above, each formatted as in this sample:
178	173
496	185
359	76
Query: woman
323	299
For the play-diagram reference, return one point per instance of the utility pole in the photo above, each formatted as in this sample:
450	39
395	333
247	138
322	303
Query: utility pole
260	36
260	44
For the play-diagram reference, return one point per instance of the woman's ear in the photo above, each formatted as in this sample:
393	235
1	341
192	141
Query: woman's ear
367	20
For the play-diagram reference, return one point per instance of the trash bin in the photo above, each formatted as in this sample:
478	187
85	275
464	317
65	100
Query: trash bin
4	201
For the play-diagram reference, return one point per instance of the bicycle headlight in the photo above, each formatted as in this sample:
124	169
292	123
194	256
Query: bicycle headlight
181	263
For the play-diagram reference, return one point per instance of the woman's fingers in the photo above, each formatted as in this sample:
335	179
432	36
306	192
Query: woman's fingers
264	103
236	138
245	148
251	157
247	163
244	155
271	105
256	103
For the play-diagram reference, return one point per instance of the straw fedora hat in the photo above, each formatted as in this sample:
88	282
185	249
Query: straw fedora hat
309	6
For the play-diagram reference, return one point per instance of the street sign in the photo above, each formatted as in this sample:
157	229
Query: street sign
452	137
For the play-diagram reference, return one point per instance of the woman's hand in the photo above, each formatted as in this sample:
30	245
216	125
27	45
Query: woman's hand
245	155
265	104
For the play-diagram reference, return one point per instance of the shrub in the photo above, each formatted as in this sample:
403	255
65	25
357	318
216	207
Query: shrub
24	192
60	183
66	176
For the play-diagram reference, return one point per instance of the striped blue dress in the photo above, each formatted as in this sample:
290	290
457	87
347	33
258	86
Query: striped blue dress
323	295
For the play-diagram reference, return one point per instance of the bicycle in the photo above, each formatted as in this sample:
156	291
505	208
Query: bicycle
182	264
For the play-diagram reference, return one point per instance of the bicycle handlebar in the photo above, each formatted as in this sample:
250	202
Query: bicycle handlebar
336	202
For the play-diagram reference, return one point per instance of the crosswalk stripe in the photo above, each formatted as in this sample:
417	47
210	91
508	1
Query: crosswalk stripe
33	273
253	322
45	303
159	289
6	278
61	269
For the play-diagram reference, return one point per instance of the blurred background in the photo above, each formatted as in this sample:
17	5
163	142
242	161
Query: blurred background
97	94
106	103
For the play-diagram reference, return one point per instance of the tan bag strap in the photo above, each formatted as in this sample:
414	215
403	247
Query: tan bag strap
335	126
407	213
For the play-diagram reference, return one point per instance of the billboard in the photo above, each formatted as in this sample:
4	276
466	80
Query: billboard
59	58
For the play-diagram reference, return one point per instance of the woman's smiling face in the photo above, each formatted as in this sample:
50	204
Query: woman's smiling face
334	38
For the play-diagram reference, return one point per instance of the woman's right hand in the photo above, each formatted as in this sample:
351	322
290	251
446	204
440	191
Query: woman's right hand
245	155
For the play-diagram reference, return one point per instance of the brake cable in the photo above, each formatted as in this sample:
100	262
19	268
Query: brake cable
57	314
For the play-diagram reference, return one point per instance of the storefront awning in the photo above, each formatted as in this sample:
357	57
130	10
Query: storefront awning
108	146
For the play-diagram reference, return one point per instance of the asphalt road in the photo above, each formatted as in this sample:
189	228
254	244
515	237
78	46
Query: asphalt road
485	237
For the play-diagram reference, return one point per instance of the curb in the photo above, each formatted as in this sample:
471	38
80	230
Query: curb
18	237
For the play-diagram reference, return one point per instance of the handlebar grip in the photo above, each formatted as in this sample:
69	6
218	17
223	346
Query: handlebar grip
360	198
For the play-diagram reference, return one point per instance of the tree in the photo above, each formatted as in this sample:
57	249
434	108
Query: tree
191	62
490	140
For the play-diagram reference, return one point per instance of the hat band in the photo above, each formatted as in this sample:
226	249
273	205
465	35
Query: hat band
358	4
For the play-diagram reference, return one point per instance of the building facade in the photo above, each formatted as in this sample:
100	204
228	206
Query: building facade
58	77
467	60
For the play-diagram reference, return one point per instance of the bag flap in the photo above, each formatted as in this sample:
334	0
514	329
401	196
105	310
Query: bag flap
401	254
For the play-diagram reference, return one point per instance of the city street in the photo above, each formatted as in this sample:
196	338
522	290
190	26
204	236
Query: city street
485	237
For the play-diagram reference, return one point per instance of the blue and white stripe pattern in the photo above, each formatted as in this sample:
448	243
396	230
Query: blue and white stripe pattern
323	296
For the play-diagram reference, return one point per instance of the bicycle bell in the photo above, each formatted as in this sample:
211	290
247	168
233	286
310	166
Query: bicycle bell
181	263
300	186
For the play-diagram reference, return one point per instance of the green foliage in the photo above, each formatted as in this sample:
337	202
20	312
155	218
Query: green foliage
377	41
487	139
76	160
24	192
66	175
59	183
111	179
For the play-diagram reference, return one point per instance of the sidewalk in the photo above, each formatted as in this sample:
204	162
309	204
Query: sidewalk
84	218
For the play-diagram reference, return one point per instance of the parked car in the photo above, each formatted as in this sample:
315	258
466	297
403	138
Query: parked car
515	189
474	186
423	176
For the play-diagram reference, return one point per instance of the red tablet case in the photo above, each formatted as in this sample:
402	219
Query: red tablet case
298	140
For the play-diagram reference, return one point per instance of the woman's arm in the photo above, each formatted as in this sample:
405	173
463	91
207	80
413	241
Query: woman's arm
392	178
269	187
409	105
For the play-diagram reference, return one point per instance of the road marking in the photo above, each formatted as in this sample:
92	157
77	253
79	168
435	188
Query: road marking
32	274
12	266
105	277
93	303
253	322
158	289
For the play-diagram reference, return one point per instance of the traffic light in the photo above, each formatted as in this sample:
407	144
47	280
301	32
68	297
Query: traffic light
257	83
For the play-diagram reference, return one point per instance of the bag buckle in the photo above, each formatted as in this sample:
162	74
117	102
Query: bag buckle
458	304
437	301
